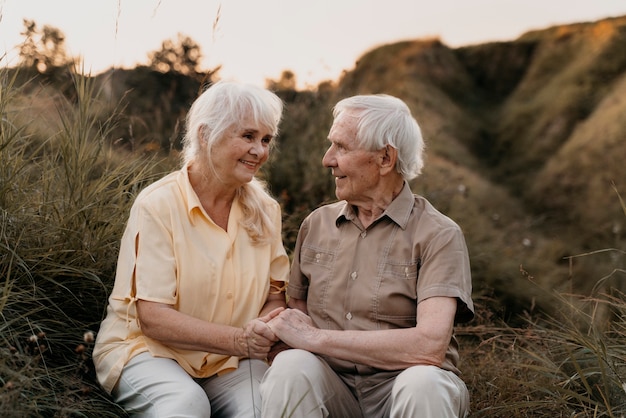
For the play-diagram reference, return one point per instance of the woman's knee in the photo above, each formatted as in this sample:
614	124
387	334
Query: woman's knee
190	400
160	387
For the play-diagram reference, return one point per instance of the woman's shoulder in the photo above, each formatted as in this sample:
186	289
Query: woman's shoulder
161	192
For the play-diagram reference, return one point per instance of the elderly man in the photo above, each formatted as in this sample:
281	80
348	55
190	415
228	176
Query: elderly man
378	281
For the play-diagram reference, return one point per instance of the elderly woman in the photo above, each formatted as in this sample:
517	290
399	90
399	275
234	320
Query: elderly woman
201	270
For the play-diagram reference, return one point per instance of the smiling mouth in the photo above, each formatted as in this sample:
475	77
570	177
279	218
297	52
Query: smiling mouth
248	163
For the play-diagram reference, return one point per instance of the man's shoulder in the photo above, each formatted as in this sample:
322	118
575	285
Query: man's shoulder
328	210
429	212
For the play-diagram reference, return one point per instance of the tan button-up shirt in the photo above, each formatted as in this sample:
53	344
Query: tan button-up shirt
367	279
173	253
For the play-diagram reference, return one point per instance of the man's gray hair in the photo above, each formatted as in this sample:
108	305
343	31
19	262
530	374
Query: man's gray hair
386	120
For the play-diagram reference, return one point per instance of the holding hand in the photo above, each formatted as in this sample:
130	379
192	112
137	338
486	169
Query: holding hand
256	339
295	328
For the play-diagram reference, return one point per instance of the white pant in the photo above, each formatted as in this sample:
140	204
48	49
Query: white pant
300	384
158	387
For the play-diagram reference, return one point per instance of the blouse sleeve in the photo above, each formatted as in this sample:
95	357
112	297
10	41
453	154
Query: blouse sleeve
155	263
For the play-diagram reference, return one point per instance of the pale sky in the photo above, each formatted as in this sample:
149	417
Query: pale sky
257	39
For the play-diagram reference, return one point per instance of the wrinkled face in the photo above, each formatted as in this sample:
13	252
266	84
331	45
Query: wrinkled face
238	157
356	170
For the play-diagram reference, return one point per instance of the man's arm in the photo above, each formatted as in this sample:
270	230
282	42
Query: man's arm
298	304
394	349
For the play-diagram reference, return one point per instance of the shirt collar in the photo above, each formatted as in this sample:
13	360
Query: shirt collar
399	210
192	201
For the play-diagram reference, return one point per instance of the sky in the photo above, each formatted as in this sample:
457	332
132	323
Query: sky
256	40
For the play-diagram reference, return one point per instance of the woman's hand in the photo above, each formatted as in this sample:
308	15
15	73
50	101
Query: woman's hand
256	339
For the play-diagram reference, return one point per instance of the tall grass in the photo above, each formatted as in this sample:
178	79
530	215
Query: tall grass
569	363
64	197
565	366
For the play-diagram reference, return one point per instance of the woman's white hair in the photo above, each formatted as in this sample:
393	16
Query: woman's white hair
386	120
219	109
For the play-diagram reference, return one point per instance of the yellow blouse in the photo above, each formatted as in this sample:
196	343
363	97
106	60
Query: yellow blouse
173	253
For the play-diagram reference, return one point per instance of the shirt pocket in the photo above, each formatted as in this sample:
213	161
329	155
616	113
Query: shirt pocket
316	257
397	294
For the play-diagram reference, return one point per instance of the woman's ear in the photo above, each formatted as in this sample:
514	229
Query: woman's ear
204	132
203	135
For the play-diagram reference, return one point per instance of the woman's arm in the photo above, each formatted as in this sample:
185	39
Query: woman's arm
273	301
165	324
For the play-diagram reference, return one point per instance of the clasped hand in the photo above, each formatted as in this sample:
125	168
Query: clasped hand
256	339
294	328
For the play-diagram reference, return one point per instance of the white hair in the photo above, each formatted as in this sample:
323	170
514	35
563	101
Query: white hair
221	107
386	120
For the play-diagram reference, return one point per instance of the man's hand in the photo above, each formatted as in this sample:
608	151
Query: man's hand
294	328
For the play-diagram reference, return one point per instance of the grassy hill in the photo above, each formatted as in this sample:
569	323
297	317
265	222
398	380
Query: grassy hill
525	150
533	132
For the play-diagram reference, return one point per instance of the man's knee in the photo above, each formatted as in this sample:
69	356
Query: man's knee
291	364
430	388
421	378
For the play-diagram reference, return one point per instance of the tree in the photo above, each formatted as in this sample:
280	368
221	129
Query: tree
182	56
43	49
287	82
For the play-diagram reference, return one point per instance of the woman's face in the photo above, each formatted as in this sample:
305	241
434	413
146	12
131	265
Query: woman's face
238	157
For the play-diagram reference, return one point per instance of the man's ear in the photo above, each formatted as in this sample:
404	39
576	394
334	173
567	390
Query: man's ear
388	158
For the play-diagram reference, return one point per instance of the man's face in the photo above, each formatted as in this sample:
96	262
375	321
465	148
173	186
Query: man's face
356	170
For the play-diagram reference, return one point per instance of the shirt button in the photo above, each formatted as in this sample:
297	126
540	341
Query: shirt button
317	257
363	234
349	316
353	275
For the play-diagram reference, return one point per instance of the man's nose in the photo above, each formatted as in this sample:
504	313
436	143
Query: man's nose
328	160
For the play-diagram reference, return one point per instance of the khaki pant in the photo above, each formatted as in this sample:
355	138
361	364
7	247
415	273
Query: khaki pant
159	387
301	384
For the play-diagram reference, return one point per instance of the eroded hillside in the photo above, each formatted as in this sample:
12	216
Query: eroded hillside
525	145
526	142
